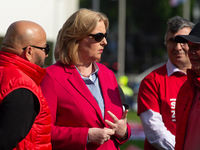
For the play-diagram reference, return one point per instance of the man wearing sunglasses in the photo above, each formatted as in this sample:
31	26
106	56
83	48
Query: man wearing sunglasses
24	115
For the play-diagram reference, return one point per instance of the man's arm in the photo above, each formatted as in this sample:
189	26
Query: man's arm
155	130
17	114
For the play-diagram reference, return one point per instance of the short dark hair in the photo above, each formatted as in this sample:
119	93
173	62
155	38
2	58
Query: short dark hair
177	23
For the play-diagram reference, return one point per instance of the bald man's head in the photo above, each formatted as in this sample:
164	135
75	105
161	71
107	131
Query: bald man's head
27	40
21	34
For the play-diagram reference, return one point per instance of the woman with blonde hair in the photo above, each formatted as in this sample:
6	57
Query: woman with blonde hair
83	94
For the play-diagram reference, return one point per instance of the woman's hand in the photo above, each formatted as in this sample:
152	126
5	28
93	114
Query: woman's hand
99	135
119	126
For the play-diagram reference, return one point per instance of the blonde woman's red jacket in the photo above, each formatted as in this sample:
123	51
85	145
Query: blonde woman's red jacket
74	109
183	105
16	73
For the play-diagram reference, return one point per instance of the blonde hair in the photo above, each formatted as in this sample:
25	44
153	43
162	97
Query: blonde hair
78	26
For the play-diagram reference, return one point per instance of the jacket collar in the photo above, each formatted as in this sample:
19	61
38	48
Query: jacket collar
172	69
35	72
77	82
192	76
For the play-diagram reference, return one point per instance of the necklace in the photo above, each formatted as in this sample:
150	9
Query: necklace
89	73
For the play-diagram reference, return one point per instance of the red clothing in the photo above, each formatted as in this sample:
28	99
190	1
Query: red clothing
192	135
74	109
158	92
18	73
183	106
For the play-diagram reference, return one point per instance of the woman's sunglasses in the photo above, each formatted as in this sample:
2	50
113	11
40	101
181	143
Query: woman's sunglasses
99	36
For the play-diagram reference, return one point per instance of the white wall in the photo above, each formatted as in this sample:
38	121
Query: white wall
50	14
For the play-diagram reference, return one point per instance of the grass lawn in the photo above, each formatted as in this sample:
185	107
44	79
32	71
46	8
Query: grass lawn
132	116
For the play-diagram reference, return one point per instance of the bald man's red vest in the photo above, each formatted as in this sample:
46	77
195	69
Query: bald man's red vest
15	73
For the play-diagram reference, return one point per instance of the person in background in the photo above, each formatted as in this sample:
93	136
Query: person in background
128	92
158	90
25	121
188	104
83	94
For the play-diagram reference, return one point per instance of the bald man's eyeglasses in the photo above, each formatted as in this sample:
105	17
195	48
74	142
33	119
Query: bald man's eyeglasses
46	49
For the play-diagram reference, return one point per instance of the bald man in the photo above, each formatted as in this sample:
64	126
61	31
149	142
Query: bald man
24	115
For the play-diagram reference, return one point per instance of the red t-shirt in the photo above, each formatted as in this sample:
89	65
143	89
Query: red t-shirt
158	92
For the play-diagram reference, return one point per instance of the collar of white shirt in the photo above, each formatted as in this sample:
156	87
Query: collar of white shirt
171	68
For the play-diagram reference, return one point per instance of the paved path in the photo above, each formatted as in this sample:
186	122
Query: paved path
137	131
137	134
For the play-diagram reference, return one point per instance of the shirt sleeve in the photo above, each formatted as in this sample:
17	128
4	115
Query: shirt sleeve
148	95
17	114
155	130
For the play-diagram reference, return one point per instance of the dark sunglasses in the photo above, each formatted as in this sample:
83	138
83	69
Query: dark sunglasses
46	49
99	36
